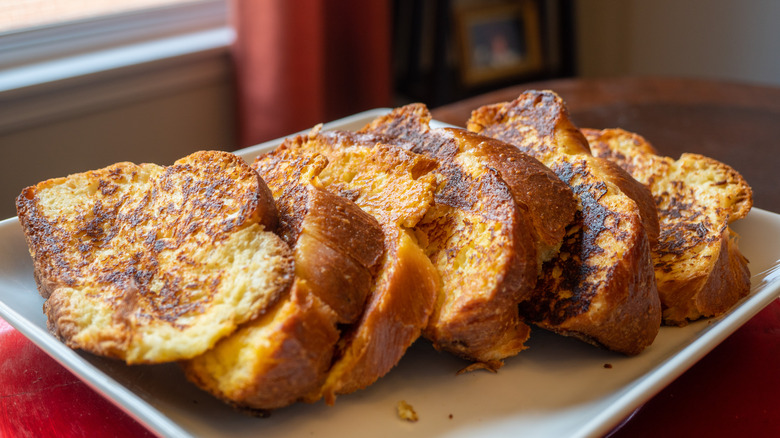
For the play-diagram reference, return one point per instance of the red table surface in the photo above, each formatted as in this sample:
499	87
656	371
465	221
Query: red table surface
739	379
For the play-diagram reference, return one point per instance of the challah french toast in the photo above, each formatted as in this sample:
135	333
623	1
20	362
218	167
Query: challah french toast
396	187
698	267
394	231
601	287
498	215
284	356
153	264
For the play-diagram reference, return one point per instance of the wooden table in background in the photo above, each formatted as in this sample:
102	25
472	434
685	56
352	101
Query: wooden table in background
733	391
737	124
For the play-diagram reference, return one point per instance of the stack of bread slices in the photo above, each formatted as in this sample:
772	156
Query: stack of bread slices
309	272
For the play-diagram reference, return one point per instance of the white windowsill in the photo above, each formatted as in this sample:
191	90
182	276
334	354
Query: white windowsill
139	56
92	63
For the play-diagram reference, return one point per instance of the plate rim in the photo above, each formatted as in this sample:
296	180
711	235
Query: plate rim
626	400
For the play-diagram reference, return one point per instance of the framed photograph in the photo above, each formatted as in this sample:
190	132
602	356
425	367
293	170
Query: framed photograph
499	42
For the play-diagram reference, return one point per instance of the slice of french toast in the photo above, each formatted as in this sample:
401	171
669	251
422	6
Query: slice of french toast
396	187
698	266
601	287
498	215
284	356
153	264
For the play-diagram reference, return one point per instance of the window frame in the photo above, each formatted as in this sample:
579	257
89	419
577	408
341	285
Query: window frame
57	70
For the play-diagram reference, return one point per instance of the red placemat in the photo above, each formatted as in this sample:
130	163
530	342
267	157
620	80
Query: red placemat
40	398
733	391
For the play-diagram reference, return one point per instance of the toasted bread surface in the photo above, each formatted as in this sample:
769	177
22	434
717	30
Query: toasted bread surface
337	245
601	287
393	319
699	269
152	264
396	187
499	215
273	361
279	359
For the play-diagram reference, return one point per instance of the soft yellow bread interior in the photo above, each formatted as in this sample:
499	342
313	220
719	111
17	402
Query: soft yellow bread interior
282	358
396	187
273	361
154	264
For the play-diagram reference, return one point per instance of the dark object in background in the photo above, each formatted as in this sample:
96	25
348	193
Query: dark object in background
446	50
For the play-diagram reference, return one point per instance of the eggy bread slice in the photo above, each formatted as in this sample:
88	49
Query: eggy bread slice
153	264
396	187
284	356
498	215
699	269
601	287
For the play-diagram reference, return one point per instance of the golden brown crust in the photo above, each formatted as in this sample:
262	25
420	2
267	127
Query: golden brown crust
699	269
393	319
397	188
274	361
619	311
133	258
638	193
280	359
545	118
534	186
730	282
601	287
549	202
499	214
337	245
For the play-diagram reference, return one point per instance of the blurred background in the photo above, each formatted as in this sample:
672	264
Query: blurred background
86	83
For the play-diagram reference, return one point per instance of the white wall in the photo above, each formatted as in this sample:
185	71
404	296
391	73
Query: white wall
721	39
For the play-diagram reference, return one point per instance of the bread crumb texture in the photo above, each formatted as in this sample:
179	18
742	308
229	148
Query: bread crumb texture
152	264
406	412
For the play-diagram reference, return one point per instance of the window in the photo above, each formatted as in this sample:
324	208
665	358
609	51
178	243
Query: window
55	55
66	38
23	14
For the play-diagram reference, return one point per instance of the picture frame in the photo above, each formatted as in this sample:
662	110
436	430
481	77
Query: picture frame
499	42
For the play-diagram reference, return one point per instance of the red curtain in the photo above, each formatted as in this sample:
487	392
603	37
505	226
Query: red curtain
302	62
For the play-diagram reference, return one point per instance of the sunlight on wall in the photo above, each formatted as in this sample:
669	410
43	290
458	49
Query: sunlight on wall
20	14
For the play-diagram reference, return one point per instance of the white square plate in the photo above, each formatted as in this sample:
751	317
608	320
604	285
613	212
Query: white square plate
558	387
